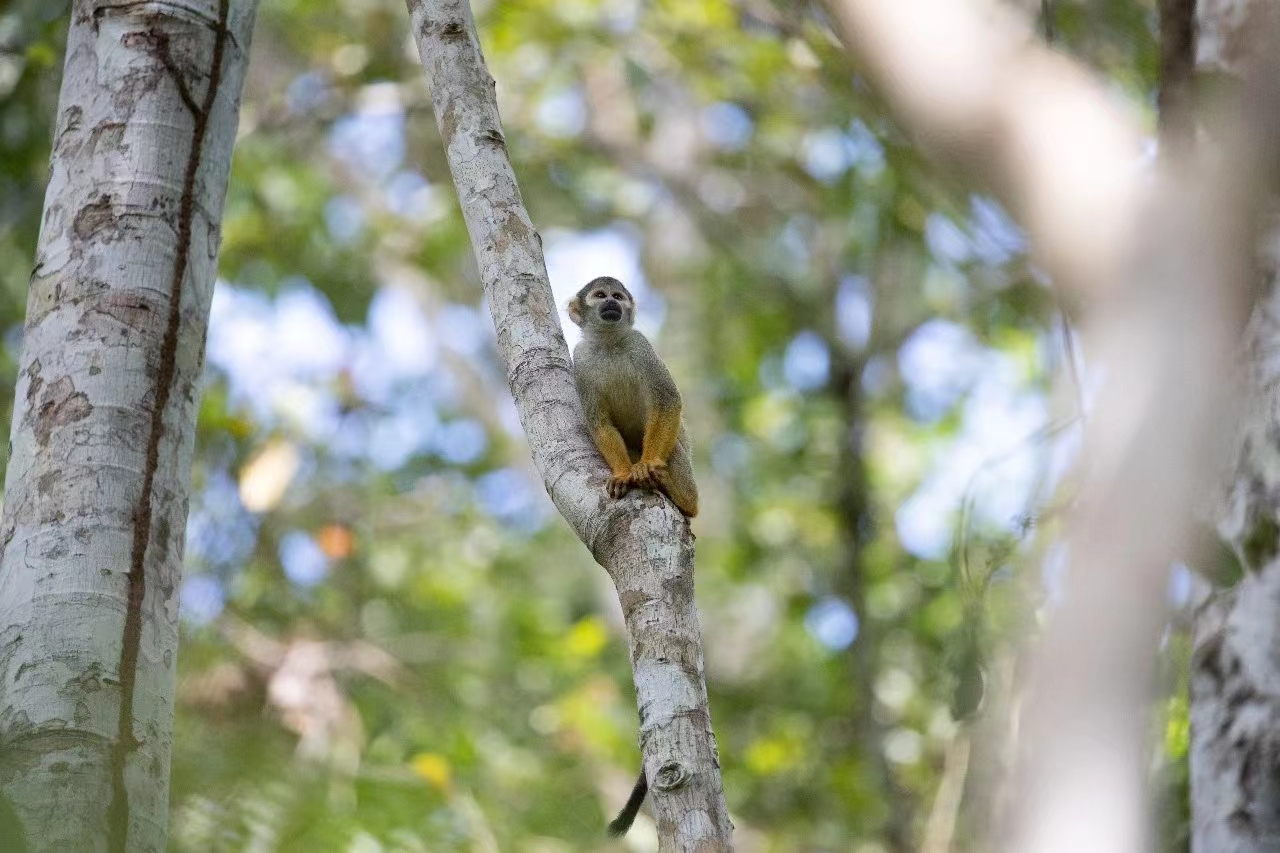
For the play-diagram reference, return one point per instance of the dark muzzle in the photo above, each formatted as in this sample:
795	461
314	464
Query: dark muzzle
610	311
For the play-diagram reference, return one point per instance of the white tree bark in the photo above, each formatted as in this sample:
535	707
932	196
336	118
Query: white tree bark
95	501
1235	669
642	541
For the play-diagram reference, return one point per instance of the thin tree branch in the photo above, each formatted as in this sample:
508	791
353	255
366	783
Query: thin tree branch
642	541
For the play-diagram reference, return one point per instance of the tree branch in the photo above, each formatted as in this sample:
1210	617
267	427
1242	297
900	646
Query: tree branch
642	541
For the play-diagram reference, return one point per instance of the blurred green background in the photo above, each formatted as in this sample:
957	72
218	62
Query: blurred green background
391	640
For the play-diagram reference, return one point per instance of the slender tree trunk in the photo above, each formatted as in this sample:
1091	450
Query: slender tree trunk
95	502
1235	671
641	541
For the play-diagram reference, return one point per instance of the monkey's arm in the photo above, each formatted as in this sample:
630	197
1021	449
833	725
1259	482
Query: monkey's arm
660	435
612	448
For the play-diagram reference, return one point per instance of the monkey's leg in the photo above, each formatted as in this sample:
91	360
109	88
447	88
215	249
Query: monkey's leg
614	450
677	481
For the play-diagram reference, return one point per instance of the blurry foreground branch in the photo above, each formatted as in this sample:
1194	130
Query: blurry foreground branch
642	541
1161	271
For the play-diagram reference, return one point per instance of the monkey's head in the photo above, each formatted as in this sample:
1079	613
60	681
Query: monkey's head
603	304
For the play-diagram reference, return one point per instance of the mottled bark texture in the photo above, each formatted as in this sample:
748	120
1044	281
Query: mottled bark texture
642	541
1235	668
95	501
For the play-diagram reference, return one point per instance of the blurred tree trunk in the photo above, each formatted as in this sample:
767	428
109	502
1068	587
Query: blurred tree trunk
95	502
642	541
1235	669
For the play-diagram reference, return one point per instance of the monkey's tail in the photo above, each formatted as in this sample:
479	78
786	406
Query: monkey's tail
627	816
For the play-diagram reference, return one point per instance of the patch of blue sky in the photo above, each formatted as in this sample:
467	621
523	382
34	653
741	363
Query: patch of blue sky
793	245
409	194
308	410
948	244
1181	586
726	125
730	454
833	623
464	329
302	559
220	531
877	376
281	356
308	338
203	599
865	151
562	113
404	433
855	310
400	345
307	92
806	364
938	362
508	415
264	346
826	154
994	458
995	237
508	495
576	257
343	218
371	140
461	442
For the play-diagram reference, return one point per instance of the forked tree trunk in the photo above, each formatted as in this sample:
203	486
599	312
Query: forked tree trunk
95	502
641	541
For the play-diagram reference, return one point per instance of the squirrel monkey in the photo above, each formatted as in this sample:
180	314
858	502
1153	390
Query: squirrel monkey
629	398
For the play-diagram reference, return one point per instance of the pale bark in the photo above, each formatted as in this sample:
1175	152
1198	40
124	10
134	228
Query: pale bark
642	541
95	500
1160	268
1235	671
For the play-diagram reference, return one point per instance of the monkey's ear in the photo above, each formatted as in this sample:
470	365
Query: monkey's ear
575	311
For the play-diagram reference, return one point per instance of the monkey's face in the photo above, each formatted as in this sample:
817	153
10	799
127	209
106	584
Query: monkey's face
603	303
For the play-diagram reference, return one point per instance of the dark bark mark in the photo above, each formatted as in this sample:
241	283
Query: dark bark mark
60	404
453	30
95	216
71	119
670	776
36	383
107	134
1177	69
630	600
1261	543
131	309
131	640
449	122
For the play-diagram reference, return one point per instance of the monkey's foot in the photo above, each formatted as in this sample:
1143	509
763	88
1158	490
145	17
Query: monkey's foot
620	485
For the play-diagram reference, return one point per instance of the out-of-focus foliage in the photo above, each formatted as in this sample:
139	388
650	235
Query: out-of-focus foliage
392	642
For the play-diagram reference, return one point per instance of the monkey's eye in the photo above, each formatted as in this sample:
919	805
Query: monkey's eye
617	296
599	294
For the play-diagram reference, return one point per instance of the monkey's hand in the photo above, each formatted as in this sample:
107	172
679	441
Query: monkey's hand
649	475
620	484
